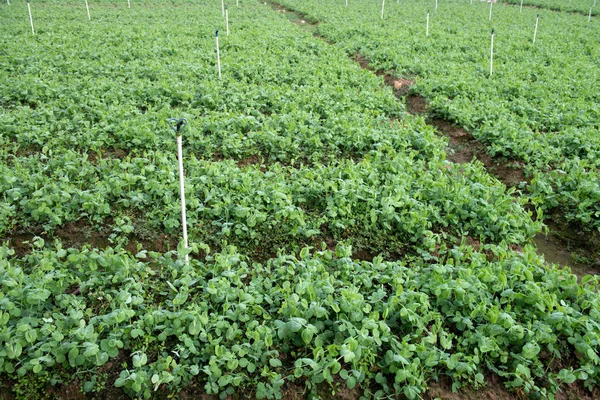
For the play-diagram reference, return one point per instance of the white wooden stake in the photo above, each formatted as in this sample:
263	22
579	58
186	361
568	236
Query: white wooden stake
521	9
492	55
88	9
491	4
128	4
382	8
218	55
537	19
436	4
8	1
227	20
590	14
237	3
346	3
30	17
223	7
182	191
427	25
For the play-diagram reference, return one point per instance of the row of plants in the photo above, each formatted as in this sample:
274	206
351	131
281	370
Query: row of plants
540	106
316	319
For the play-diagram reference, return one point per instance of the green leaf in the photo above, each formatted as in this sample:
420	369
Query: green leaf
275	362
530	350
351	382
88	386
31	335
307	336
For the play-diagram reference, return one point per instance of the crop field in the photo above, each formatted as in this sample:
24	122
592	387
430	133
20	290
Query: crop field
539	109
335	247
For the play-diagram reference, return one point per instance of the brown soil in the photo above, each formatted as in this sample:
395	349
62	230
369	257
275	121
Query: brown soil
294	16
463	148
76	234
252	160
401	86
566	244
416	104
494	390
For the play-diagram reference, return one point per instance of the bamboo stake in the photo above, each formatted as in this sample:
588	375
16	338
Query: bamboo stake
218	54
178	125
30	17
537	19
382	8
492	55
88	9
521	9
491	5
182	189
227	19
427	25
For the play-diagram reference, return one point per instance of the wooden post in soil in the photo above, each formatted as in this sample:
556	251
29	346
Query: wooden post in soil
427	25
492	55
218	54
30	17
537	19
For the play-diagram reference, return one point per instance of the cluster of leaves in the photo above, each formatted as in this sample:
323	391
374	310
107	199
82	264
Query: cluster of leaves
387	326
541	106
